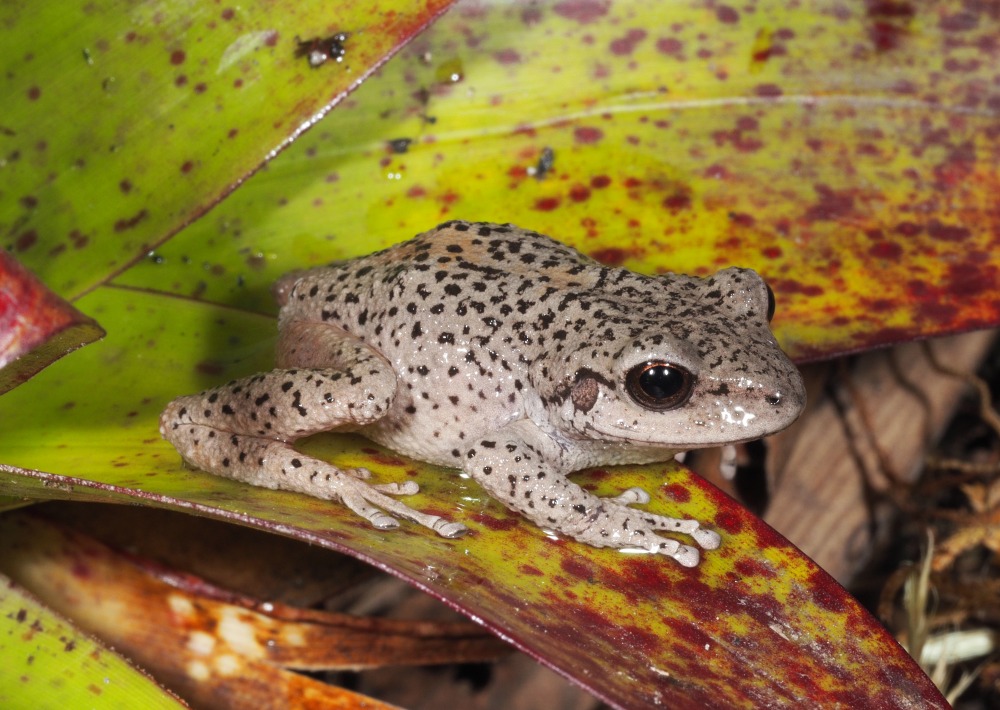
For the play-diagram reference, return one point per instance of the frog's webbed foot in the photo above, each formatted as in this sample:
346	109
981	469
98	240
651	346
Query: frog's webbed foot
632	496
373	504
707	539
371	501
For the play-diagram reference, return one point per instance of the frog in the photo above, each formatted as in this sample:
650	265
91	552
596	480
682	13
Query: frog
513	357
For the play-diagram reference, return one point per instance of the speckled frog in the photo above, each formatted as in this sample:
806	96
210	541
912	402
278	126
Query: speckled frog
504	353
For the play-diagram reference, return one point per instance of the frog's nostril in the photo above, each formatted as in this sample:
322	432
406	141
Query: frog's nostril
773	399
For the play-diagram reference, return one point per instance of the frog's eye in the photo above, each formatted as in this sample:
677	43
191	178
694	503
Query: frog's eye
659	385
770	303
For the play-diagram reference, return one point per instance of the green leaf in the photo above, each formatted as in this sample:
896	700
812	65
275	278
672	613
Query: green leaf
172	103
685	138
50	664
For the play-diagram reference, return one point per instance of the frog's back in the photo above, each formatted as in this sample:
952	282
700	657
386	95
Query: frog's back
492	250
445	265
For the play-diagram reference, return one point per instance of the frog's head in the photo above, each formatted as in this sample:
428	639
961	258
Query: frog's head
675	362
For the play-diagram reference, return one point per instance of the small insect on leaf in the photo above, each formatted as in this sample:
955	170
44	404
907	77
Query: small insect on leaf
546	161
320	49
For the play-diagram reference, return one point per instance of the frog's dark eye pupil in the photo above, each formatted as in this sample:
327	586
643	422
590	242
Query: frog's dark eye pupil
770	303
659	385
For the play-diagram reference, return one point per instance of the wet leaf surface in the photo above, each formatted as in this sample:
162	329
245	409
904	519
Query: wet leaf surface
755	624
36	326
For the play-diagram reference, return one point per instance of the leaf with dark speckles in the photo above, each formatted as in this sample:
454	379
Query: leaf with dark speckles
48	663
121	125
848	152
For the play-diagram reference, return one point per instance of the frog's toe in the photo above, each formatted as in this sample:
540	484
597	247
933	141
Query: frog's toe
383	522
362	474
448	529
632	496
686	555
406	488
356	501
708	539
371	502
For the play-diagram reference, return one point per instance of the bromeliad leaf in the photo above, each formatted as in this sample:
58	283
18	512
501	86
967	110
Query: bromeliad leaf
36	326
173	105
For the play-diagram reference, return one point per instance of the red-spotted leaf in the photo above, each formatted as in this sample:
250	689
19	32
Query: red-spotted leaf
848	153
122	124
756	624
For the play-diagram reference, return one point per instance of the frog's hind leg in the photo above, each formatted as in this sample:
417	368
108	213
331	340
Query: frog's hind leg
328	381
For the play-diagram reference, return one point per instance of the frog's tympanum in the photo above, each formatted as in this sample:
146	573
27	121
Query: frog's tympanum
504	353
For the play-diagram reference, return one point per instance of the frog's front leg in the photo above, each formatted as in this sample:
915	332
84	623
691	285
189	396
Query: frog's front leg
521	467
328	381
